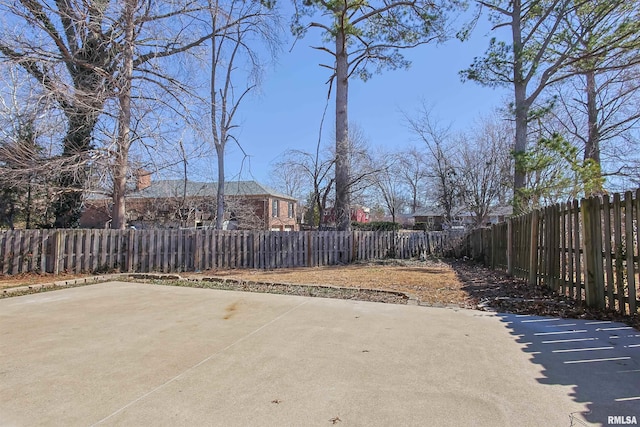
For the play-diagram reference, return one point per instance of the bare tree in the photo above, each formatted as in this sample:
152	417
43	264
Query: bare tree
361	164
68	52
484	166
387	179
442	173
30	163
238	27
314	171
600	118
413	172
245	214
84	54
289	177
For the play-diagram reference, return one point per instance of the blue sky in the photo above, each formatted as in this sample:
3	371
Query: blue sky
286	113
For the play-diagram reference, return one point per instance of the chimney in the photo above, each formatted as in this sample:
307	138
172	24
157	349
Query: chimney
143	179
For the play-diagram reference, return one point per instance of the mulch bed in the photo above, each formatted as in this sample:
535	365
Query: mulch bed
320	291
494	290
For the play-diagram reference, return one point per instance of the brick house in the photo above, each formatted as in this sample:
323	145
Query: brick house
189	204
359	214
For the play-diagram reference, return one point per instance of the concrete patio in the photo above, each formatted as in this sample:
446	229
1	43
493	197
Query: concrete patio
146	355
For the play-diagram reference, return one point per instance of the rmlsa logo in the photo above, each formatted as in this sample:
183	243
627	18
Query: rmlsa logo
622	420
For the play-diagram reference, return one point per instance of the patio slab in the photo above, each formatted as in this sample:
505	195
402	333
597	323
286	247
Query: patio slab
136	354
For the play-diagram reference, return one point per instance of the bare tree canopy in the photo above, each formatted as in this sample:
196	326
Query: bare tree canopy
83	54
465	171
238	33
312	175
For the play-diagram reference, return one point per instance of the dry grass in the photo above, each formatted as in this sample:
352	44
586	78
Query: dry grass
430	282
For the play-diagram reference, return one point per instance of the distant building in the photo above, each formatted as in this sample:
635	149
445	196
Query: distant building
434	218
189	204
358	214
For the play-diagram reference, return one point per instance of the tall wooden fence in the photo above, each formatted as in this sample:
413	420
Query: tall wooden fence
88	251
586	250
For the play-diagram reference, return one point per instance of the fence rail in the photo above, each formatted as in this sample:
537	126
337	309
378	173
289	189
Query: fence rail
586	250
88	251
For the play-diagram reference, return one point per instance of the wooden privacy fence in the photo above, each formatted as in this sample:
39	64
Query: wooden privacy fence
87	251
587	250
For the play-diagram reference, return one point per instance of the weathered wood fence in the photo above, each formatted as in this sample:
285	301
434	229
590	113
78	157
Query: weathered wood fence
86	251
586	250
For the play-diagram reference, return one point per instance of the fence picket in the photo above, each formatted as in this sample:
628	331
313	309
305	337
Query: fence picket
593	280
578	250
16	250
555	241
533	249
608	259
637	206
629	240
563	248
619	273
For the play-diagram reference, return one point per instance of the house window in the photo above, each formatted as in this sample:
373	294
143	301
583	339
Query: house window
290	214
274	209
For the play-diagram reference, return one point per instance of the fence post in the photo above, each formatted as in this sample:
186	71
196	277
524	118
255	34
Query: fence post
629	214
555	248
533	248
593	278
495	246
355	243
196	248
509	247
56	252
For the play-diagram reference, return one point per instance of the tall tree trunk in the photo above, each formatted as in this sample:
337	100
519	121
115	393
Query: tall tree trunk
521	108
592	147
218	123
118	215
414	198
220	193
319	207
342	205
520	144
121	168
28	219
77	141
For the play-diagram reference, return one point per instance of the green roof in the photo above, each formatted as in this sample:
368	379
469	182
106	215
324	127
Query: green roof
177	188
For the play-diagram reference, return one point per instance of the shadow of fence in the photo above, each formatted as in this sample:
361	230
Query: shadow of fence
599	359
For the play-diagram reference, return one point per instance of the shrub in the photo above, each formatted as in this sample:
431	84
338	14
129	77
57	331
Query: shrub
376	226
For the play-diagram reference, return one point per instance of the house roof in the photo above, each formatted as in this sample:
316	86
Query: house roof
180	188
501	211
431	211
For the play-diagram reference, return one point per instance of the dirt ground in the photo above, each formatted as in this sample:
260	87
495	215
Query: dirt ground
432	282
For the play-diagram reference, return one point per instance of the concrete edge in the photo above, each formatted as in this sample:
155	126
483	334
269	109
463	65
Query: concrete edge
91	280
411	299
60	284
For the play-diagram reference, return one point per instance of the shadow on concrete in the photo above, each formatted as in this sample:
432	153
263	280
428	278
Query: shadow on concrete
600	359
